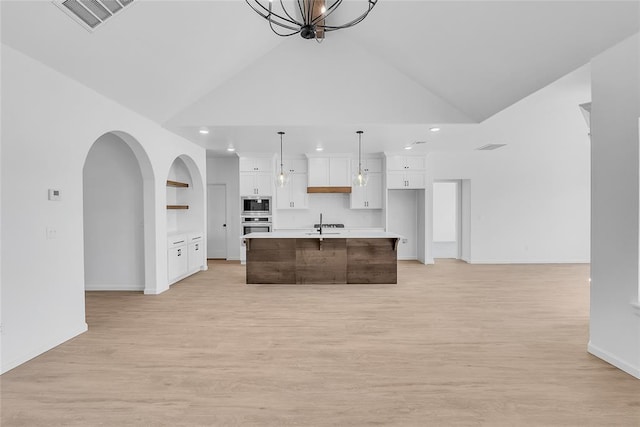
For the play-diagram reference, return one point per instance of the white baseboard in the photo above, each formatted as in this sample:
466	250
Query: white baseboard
613	360
114	287
528	261
51	343
155	291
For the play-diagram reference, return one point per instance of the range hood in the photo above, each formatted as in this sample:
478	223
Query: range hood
328	189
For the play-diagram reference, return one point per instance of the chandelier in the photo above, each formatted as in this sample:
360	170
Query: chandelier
309	18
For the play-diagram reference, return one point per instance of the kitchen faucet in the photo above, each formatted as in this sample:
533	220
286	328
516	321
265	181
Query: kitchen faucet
320	229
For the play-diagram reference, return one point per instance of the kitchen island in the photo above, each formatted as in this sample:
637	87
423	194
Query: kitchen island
286	257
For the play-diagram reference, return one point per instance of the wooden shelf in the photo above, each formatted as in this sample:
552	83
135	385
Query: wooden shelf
176	184
177	206
328	189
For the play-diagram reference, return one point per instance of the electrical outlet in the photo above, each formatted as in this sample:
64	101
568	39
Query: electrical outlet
52	233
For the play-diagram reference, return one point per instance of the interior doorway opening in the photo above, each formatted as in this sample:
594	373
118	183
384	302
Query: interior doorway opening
451	219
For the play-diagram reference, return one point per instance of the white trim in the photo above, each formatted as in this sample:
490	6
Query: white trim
114	287
614	360
528	261
51	343
636	307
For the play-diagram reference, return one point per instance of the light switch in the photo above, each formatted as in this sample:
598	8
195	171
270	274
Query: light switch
54	194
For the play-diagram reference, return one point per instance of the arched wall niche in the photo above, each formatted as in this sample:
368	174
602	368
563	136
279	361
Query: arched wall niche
186	222
119	215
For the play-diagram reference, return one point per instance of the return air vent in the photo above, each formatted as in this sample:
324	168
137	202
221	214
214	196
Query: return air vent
91	13
489	147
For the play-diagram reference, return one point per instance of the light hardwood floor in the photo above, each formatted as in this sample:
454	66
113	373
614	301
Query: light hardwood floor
451	344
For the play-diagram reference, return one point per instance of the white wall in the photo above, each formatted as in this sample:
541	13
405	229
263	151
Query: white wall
335	209
49	123
226	170
614	321
530	200
113	217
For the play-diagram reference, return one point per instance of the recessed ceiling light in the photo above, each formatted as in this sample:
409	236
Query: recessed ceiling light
319	148
204	131
231	149
408	147
435	129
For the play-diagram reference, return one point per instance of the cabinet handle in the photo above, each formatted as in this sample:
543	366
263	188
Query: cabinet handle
179	252
197	248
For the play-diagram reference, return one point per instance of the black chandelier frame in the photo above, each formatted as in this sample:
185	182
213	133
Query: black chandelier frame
311	24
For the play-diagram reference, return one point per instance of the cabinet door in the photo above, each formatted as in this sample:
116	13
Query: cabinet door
372	165
295	165
298	186
340	172
245	164
395	163
374	191
415	179
263	164
358	197
283	197
414	163
195	257
318	171
396	180
176	262
262	183
247	184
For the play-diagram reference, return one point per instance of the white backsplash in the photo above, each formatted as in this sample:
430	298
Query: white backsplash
335	210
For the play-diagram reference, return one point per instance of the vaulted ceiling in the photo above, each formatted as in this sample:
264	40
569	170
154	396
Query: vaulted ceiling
409	65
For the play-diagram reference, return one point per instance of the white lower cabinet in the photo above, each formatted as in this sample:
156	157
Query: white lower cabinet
195	253
185	255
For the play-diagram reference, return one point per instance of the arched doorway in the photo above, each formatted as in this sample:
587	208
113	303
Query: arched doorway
119	231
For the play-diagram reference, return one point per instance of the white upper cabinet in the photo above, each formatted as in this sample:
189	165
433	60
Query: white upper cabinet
405	163
294	194
330	171
369	165
293	165
257	176
369	196
406	172
256	164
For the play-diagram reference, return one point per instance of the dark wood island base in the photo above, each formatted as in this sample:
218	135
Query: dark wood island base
321	260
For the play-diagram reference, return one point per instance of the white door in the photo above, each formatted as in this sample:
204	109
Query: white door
217	221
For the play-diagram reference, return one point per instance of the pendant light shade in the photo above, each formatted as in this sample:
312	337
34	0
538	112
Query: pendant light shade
282	178
361	177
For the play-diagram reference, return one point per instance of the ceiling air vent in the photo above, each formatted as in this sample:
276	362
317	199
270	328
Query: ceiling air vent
490	147
91	13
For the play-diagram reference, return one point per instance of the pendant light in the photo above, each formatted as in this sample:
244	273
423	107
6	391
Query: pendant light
361	177
282	178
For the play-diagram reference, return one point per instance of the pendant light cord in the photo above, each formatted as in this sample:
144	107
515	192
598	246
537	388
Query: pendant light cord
281	133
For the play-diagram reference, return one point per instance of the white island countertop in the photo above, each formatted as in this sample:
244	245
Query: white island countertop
329	234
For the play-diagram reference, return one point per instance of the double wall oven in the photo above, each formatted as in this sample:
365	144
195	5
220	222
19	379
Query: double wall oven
256	214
